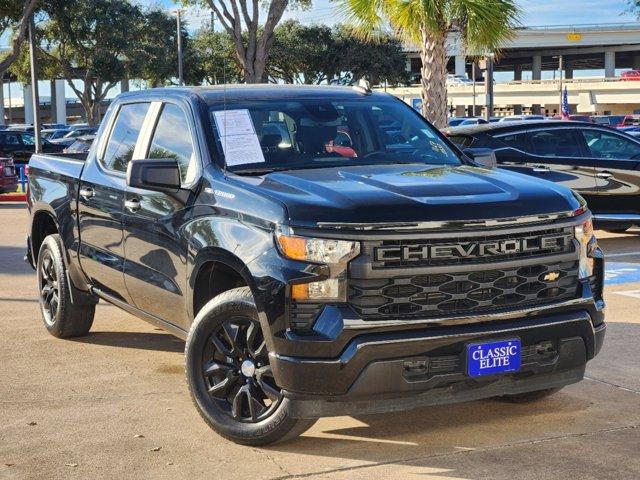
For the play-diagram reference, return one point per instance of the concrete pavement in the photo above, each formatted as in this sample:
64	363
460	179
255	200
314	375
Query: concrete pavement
115	405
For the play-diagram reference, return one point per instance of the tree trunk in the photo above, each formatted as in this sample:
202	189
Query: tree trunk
433	54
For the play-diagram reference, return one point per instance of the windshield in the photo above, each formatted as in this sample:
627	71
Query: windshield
269	135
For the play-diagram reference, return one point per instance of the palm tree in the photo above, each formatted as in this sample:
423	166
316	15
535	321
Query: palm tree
482	25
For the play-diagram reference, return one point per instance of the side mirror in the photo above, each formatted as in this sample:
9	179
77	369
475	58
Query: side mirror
157	174
484	157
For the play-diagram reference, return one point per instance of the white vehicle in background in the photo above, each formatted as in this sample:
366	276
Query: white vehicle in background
519	118
458	80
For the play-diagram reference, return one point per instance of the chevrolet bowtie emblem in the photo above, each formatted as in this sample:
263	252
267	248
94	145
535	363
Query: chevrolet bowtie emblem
551	276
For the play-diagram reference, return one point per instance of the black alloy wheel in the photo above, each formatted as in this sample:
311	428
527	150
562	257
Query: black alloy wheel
236	371
49	288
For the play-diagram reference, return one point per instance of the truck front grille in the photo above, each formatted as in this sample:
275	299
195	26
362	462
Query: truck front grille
465	250
463	293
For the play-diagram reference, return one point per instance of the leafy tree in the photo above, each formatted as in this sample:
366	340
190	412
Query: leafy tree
100	42
156	54
377	59
318	54
14	16
483	26
210	58
303	54
252	41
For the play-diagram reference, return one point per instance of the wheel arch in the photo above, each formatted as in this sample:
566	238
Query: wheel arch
215	270
44	222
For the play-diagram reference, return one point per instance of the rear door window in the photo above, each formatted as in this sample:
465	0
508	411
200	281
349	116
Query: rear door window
609	145
557	142
124	136
517	140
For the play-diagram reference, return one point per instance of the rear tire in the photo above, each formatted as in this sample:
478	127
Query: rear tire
229	377
60	316
529	397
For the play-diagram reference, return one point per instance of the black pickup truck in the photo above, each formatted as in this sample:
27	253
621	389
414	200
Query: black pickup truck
323	251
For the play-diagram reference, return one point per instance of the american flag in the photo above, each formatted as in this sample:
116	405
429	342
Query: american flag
565	104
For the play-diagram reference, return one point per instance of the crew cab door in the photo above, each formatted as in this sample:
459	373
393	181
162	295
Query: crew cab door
155	267
617	161
554	154
101	200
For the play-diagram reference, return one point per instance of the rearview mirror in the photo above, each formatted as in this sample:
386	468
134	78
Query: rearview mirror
484	157
157	174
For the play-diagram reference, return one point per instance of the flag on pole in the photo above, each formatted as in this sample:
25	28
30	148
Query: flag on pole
565	104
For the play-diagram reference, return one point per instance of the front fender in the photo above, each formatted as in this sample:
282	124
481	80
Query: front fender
250	251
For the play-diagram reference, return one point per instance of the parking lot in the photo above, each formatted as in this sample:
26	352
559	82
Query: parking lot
115	405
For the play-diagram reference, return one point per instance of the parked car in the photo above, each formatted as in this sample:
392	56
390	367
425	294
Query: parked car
630	75
458	121
307	283
54	126
54	133
608	120
82	144
518	118
8	175
75	126
68	139
629	120
575	118
601	164
633	131
20	146
21	127
458	80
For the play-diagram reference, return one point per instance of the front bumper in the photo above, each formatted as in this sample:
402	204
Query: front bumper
403	370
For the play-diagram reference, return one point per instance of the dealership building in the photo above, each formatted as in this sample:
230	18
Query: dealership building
527	73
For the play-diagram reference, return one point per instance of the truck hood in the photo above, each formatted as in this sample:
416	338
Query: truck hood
410	193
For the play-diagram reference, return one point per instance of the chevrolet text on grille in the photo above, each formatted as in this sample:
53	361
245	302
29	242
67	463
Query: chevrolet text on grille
488	248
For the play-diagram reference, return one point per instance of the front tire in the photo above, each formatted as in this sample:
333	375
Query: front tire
61	317
229	377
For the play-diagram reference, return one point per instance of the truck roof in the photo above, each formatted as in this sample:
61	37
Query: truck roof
215	94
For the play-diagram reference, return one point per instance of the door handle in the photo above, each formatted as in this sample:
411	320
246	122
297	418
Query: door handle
604	174
87	193
541	169
133	204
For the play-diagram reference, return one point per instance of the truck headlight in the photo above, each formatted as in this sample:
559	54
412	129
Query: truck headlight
584	235
336	254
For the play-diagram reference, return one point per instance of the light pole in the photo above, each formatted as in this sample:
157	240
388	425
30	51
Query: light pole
179	38
35	97
488	86
560	97
473	74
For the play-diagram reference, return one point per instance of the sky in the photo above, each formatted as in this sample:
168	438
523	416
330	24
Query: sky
534	13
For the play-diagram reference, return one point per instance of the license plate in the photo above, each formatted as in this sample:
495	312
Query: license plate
489	358
8	172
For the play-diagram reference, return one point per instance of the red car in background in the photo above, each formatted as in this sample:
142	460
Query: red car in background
629	121
8	175
630	75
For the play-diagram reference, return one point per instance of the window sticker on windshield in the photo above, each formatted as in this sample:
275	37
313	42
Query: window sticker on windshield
234	122
238	137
